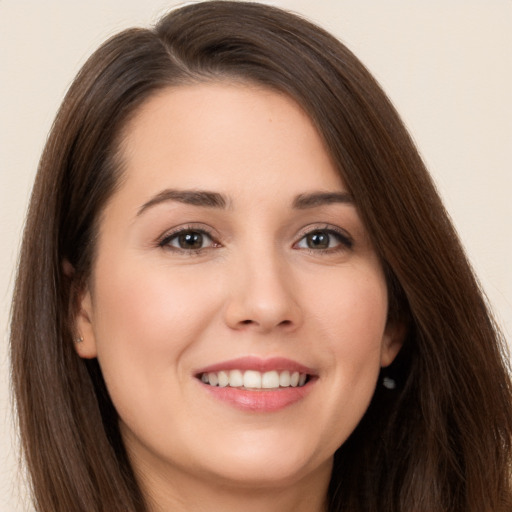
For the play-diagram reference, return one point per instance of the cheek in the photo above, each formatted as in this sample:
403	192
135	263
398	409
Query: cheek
351	319
144	319
137	302
352	312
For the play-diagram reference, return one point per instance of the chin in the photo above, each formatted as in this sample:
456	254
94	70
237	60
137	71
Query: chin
259	466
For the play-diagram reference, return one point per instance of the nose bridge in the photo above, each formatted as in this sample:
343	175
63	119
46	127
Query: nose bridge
262	291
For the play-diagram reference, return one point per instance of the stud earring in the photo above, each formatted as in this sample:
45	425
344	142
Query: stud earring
78	340
389	383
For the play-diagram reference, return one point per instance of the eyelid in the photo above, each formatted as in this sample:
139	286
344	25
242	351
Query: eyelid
342	235
163	240
345	239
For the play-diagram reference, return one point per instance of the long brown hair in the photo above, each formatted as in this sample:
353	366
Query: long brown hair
439	441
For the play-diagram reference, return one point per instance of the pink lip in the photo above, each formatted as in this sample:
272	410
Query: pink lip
259	400
261	365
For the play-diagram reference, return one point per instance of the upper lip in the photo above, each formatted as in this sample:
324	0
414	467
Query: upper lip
259	364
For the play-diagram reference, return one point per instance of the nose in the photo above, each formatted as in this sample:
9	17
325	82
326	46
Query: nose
263	296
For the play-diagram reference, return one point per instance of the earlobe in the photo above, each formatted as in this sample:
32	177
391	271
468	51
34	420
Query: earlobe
68	269
84	340
392	341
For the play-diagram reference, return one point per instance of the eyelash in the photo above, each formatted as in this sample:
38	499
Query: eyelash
344	240
165	241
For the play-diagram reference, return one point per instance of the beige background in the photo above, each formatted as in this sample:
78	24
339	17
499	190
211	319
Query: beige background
446	64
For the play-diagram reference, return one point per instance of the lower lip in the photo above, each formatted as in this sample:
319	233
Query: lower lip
259	400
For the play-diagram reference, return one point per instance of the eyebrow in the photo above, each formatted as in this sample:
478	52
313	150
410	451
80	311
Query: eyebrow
193	197
209	199
315	199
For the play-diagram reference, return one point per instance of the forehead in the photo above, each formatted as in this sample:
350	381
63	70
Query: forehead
225	136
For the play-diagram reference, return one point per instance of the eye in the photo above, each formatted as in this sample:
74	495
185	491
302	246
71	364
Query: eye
192	240
324	239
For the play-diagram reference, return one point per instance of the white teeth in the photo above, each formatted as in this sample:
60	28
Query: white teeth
270	380
223	379
236	379
252	379
284	379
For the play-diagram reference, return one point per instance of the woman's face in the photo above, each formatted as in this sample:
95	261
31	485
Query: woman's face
236	307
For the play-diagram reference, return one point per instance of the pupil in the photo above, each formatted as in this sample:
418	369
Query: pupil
318	240
191	240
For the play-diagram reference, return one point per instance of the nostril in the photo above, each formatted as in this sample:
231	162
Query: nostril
284	323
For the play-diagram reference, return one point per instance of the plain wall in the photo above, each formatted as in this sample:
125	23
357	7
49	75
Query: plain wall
446	64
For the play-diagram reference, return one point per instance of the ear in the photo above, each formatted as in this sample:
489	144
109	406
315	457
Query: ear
85	342
392	341
81	314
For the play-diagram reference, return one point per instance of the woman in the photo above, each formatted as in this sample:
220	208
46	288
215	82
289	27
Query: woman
238	288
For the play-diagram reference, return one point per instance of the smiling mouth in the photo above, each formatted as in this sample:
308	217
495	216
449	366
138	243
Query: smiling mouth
255	380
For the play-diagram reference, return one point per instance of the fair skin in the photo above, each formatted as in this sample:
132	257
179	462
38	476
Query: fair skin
232	245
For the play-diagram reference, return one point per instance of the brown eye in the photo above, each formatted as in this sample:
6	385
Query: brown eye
318	240
188	240
324	239
191	240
